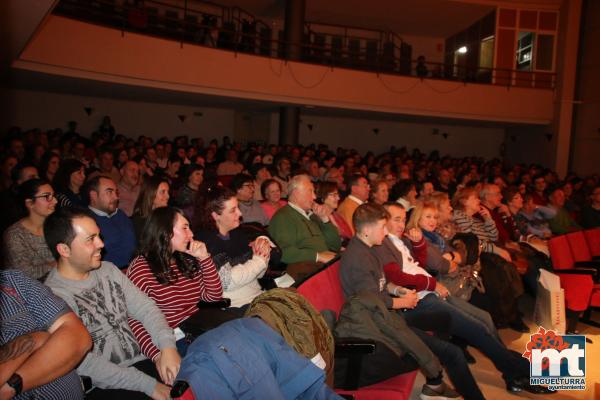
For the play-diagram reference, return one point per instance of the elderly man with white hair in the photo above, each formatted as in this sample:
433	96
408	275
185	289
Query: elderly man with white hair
302	228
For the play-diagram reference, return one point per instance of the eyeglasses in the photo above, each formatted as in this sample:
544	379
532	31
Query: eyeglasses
48	196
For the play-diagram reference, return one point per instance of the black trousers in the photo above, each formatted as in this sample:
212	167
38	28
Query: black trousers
146	366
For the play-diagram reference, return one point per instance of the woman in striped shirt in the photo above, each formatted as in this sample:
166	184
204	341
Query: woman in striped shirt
175	271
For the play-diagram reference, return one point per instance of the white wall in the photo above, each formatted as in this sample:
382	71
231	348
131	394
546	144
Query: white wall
44	110
358	134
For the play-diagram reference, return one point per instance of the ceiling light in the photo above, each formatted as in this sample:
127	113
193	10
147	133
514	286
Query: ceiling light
462	50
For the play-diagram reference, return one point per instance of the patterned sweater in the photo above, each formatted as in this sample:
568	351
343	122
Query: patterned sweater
104	302
177	301
27	252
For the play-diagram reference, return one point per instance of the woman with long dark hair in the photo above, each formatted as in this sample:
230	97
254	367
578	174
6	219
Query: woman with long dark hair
153	194
49	164
68	181
25	247
176	272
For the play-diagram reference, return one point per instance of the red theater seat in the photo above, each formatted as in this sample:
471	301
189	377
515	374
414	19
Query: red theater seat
324	291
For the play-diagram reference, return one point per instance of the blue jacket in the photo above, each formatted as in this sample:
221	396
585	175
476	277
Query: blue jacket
246	359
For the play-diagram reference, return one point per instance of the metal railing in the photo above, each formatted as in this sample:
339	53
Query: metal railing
238	30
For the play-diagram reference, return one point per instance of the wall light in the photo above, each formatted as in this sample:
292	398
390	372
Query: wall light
463	50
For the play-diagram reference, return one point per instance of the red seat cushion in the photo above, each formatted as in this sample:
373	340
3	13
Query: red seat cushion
560	253
323	290
592	236
578	290
579	247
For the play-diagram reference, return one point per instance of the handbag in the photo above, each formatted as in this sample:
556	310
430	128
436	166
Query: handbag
461	282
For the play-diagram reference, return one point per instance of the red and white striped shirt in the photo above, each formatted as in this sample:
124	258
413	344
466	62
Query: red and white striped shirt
178	300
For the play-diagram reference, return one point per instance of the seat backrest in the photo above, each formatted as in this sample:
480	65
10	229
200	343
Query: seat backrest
592	237
560	253
579	247
323	290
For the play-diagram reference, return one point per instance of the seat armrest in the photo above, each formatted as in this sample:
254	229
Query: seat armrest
178	389
353	349
351	346
267	283
587	264
576	271
223	303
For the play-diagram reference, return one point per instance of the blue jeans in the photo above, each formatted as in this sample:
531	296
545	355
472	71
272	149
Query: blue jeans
466	325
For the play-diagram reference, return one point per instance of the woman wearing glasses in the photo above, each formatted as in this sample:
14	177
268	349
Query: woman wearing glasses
25	247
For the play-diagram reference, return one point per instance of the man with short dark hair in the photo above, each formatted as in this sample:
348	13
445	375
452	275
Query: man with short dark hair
359	193
106	165
116	228
105	299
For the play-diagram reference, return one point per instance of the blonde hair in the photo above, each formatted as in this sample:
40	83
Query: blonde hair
417	213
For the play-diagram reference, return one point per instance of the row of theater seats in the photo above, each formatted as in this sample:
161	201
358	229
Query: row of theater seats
576	260
324	291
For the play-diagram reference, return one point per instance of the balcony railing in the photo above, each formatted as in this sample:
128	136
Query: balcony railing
213	25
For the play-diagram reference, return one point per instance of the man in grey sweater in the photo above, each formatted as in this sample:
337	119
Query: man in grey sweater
104	299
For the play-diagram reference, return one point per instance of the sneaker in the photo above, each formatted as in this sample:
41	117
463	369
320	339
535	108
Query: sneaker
442	392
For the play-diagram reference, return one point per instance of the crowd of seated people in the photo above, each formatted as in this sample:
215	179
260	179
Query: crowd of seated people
134	234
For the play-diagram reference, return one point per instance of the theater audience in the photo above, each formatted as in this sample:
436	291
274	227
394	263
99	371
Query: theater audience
327	194
240	258
359	193
68	181
104	299
271	193
42	344
283	170
468	322
380	192
243	186
405	193
470	217
590	215
538	190
10	202
49	164
176	272
562	222
185	198
153	194
361	272
116	228
25	247
532	219
230	166
302	229
106	165
260	173
129	186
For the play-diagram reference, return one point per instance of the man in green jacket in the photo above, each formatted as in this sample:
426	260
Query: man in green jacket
302	228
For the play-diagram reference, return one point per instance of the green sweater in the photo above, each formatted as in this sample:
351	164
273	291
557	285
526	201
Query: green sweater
562	223
300	239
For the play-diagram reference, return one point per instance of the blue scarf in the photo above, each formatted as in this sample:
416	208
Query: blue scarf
436	239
